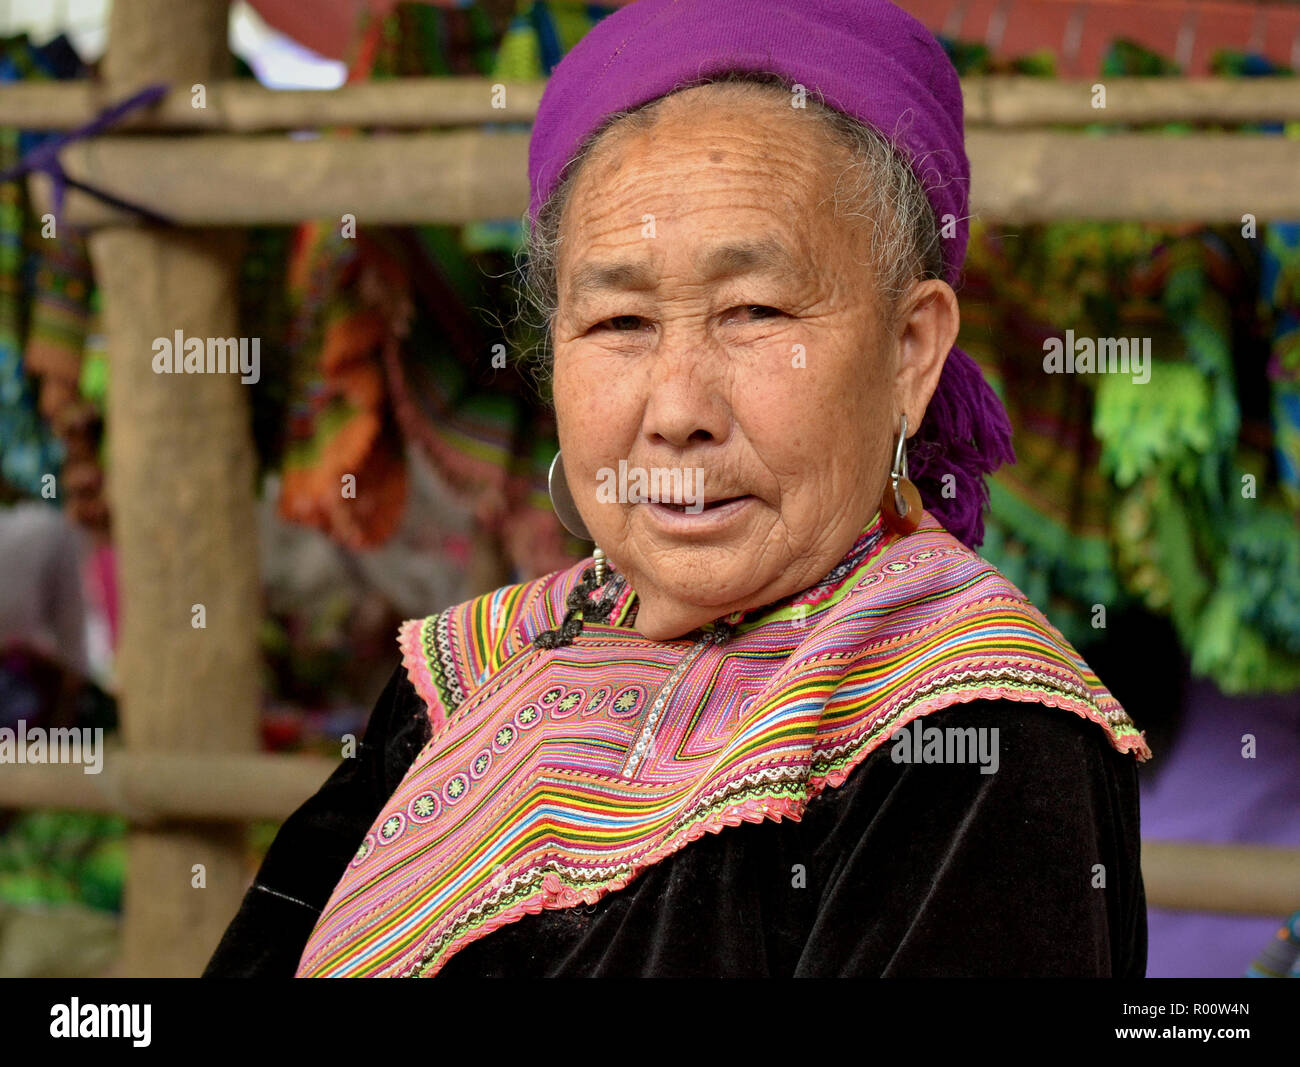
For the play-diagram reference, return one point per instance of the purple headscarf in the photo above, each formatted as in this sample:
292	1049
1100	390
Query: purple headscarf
867	58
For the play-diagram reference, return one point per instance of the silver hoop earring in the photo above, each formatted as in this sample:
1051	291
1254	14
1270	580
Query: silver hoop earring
901	506
567	512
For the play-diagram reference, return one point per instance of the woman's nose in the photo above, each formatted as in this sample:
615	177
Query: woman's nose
686	404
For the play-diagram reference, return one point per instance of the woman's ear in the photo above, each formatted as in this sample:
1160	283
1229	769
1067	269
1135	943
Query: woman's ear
925	330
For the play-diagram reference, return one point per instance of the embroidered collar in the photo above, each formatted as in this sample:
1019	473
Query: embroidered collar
555	776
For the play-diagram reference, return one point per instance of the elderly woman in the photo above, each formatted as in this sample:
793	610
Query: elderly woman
785	721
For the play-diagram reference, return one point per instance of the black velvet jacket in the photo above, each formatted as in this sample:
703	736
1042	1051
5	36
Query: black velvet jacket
904	870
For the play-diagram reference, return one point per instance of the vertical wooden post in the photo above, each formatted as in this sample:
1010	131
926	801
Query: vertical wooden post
181	486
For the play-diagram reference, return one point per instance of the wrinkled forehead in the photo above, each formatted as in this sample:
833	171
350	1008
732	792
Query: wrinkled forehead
754	175
719	116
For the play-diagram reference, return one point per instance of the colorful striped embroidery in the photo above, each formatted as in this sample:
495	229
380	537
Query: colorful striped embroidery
555	776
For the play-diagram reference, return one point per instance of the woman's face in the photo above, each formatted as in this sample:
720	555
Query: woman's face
716	316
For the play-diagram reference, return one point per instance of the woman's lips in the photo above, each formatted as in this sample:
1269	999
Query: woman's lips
715	514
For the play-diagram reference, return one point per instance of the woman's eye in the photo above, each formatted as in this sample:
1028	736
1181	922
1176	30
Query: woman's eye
761	311
620	323
629	323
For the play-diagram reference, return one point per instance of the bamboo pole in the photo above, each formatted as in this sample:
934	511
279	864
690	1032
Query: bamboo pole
180	479
159	788
1020	100
1237	879
234	180
151	788
244	107
422	103
1210	177
401	179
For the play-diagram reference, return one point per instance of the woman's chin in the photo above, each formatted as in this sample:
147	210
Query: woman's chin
668	612
668	621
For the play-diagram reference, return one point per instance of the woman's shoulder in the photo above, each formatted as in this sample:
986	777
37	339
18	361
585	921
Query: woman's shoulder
930	623
979	814
1039	759
446	654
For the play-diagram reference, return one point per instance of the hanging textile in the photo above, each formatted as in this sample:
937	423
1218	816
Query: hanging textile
1135	494
1280	290
389	340
44	299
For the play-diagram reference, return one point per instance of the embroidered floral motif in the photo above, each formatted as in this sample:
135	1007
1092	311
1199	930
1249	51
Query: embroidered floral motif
424	807
626	701
391	827
364	850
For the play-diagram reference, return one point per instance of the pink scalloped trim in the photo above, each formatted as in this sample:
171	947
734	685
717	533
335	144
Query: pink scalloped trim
749	809
1124	744
417	670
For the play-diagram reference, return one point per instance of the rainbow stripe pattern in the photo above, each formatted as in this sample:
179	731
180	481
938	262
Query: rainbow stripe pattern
529	795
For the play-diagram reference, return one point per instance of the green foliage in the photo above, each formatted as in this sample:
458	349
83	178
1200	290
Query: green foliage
1162	425
54	857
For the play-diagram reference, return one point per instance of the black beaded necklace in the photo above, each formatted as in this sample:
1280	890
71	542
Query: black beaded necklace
580	607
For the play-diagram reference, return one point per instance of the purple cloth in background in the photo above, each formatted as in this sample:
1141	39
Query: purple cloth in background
1205	791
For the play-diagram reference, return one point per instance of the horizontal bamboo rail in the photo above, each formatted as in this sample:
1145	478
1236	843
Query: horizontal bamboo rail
155	787
246	107
1018	100
460	176
422	103
1034	176
247	180
1237	879
150	788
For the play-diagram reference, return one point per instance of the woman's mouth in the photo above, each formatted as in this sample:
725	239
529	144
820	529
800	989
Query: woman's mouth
696	508
699	518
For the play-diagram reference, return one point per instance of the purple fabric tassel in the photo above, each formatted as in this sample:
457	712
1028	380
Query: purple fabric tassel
966	434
